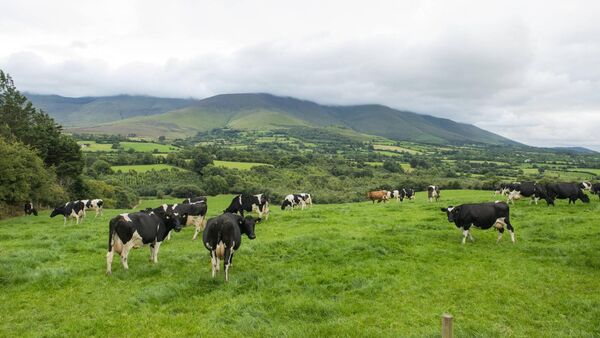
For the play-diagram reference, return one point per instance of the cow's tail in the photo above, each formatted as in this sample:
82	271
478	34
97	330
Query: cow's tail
111	231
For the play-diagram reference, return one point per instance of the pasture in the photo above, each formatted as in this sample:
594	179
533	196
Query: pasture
142	168
354	269
142	147
238	165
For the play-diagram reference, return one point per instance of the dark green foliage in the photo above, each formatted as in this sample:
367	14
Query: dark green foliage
187	190
102	167
125	198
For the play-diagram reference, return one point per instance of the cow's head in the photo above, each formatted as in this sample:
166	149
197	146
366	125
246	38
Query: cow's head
584	197
451	212
58	211
171	219
247	226
285	203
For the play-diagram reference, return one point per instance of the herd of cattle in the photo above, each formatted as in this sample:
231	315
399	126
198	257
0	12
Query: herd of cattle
222	235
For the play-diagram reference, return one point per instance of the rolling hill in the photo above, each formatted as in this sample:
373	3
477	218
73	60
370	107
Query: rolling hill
150	116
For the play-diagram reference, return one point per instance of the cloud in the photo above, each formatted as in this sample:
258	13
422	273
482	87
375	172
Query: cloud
504	66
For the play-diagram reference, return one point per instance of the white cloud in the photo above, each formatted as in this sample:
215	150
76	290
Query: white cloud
526	71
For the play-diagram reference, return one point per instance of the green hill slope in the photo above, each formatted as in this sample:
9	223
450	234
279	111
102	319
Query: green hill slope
152	117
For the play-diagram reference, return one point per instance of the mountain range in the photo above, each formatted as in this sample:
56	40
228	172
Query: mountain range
178	118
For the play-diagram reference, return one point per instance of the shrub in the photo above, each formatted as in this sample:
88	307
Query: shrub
187	190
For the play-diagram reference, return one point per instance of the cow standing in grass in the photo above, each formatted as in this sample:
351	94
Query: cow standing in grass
293	200
96	204
134	230
379	196
223	237
247	203
569	191
307	198
74	209
29	209
433	191
481	215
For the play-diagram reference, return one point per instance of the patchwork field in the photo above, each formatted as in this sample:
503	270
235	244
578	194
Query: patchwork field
142	168
238	165
356	269
143	147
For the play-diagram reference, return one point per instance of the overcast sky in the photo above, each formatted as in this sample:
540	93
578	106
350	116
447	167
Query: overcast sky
528	70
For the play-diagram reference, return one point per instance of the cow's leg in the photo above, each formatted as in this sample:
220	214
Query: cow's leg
500	232
510	228
156	247
125	253
169	236
65	220
109	259
197	226
465	235
151	246
226	260
213	262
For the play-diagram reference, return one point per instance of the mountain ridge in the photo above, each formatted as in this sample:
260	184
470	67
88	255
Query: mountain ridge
152	116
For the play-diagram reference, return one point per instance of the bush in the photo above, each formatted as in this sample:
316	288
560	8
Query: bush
187	190
125	198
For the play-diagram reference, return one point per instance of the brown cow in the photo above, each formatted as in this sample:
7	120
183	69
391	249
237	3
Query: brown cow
379	195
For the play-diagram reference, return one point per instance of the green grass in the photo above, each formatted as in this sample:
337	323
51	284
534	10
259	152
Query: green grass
142	168
334	270
395	148
142	147
237	165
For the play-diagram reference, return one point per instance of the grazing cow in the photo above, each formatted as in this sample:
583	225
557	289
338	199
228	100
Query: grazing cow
307	198
194	212
223	236
433	191
74	209
293	200
528	189
128	231
379	195
199	199
506	188
258	203
481	215
397	194
29	209
596	189
566	190
96	204
585	186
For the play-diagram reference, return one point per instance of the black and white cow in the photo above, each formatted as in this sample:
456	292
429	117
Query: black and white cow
528	189
506	188
568	191
247	203
199	199
307	198
134	230
29	209
74	209
96	204
481	215
193	213
433	191
223	236
596	189
401	193
293	200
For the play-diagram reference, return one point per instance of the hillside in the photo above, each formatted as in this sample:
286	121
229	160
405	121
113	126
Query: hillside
85	111
146	116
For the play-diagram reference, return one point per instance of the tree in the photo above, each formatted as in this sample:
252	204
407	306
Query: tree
200	159
102	167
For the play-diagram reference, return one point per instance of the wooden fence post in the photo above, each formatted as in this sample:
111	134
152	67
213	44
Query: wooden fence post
446	325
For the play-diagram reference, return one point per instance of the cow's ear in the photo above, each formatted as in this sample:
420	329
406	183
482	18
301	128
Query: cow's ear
444	209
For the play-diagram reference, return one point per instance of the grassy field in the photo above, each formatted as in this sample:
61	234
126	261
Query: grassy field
237	165
334	270
142	168
143	147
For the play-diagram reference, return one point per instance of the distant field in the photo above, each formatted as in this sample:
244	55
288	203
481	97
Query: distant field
144	167
587	170
344	270
395	148
238	165
144	147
